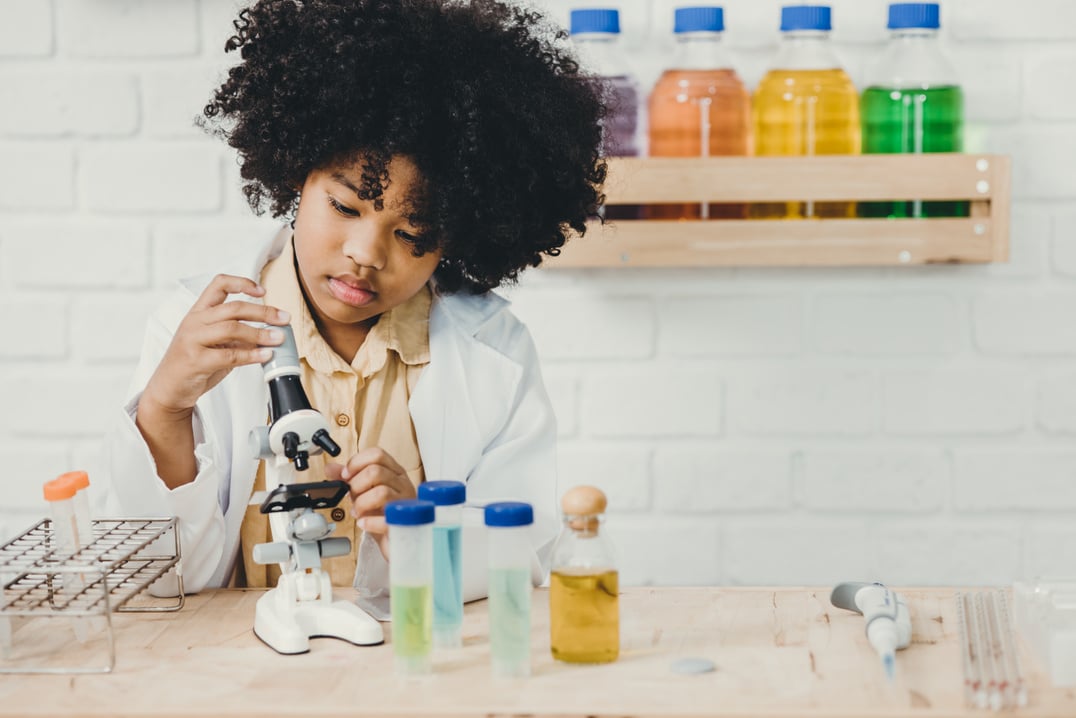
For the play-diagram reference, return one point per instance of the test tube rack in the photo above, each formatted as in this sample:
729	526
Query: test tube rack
40	581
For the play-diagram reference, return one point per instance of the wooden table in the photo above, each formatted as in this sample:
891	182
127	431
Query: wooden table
779	652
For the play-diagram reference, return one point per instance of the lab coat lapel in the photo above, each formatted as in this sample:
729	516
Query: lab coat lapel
466	392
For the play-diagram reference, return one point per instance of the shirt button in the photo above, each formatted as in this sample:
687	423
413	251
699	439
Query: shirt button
343	419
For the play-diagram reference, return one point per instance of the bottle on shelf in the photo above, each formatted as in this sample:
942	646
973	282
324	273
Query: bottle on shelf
913	104
699	106
584	611
595	33
805	105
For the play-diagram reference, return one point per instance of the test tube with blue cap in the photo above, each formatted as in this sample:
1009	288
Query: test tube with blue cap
510	587
411	583
448	497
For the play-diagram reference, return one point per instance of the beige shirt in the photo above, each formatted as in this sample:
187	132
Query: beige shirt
365	402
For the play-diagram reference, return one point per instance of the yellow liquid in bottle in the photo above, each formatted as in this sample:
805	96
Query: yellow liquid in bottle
584	616
805	112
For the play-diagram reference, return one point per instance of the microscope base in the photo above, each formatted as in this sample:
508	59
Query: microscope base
286	625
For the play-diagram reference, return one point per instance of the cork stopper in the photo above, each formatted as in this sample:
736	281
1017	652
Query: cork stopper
583	505
583	501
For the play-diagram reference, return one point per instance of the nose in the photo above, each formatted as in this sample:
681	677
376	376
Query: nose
366	244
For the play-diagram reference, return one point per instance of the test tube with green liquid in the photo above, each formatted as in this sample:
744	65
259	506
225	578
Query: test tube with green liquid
411	583
510	587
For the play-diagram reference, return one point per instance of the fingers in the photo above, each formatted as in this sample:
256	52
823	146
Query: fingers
231	357
333	470
239	335
214	307
372	501
375	479
374	525
373	456
224	284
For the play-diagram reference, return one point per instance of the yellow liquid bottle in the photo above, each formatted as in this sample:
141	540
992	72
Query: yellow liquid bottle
584	603
584	616
807	105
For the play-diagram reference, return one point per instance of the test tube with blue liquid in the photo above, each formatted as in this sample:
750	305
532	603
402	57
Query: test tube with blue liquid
448	497
411	583
510	587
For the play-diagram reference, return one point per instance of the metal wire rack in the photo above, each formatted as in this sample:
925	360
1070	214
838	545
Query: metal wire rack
38	579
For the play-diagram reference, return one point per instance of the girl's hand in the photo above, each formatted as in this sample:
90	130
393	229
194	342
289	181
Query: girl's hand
210	341
376	479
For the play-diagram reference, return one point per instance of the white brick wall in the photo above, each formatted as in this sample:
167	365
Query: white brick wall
27	28
786	426
61	102
97	29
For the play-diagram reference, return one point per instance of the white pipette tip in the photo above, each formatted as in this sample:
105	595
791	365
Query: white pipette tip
889	663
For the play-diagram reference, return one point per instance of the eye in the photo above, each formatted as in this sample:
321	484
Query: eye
342	209
407	237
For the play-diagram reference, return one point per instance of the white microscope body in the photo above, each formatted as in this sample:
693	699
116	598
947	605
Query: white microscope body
301	606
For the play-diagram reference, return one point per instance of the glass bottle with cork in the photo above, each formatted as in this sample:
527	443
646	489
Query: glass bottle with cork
584	610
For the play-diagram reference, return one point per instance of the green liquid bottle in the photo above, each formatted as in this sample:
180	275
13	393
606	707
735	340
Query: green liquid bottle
913	105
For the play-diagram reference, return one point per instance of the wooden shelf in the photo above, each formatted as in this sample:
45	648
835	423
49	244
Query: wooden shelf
982	180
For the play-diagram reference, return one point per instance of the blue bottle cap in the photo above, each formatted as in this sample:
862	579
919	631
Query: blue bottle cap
699	19
805	17
443	493
914	14
594	20
409	512
509	513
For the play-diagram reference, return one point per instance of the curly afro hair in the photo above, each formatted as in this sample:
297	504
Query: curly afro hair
500	121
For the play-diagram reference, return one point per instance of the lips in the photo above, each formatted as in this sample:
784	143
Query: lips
352	291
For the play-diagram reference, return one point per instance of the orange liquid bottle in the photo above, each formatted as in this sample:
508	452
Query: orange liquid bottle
699	107
806	105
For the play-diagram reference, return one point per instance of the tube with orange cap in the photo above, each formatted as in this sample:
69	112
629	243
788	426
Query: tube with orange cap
81	481
60	493
72	525
72	529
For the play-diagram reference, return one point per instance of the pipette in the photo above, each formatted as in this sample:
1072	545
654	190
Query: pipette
889	626
992	674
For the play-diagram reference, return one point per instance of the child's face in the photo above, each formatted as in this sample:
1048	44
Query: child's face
354	261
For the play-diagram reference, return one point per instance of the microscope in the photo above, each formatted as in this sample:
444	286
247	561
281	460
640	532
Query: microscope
301	606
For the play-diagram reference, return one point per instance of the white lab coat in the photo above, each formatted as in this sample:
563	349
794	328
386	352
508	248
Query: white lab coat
480	412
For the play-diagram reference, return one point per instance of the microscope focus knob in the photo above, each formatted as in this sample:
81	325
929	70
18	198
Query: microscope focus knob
258	441
266	553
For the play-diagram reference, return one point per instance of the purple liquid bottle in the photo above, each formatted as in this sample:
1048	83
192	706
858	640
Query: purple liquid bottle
621	131
596	35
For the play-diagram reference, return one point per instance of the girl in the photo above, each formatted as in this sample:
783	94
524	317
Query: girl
427	151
